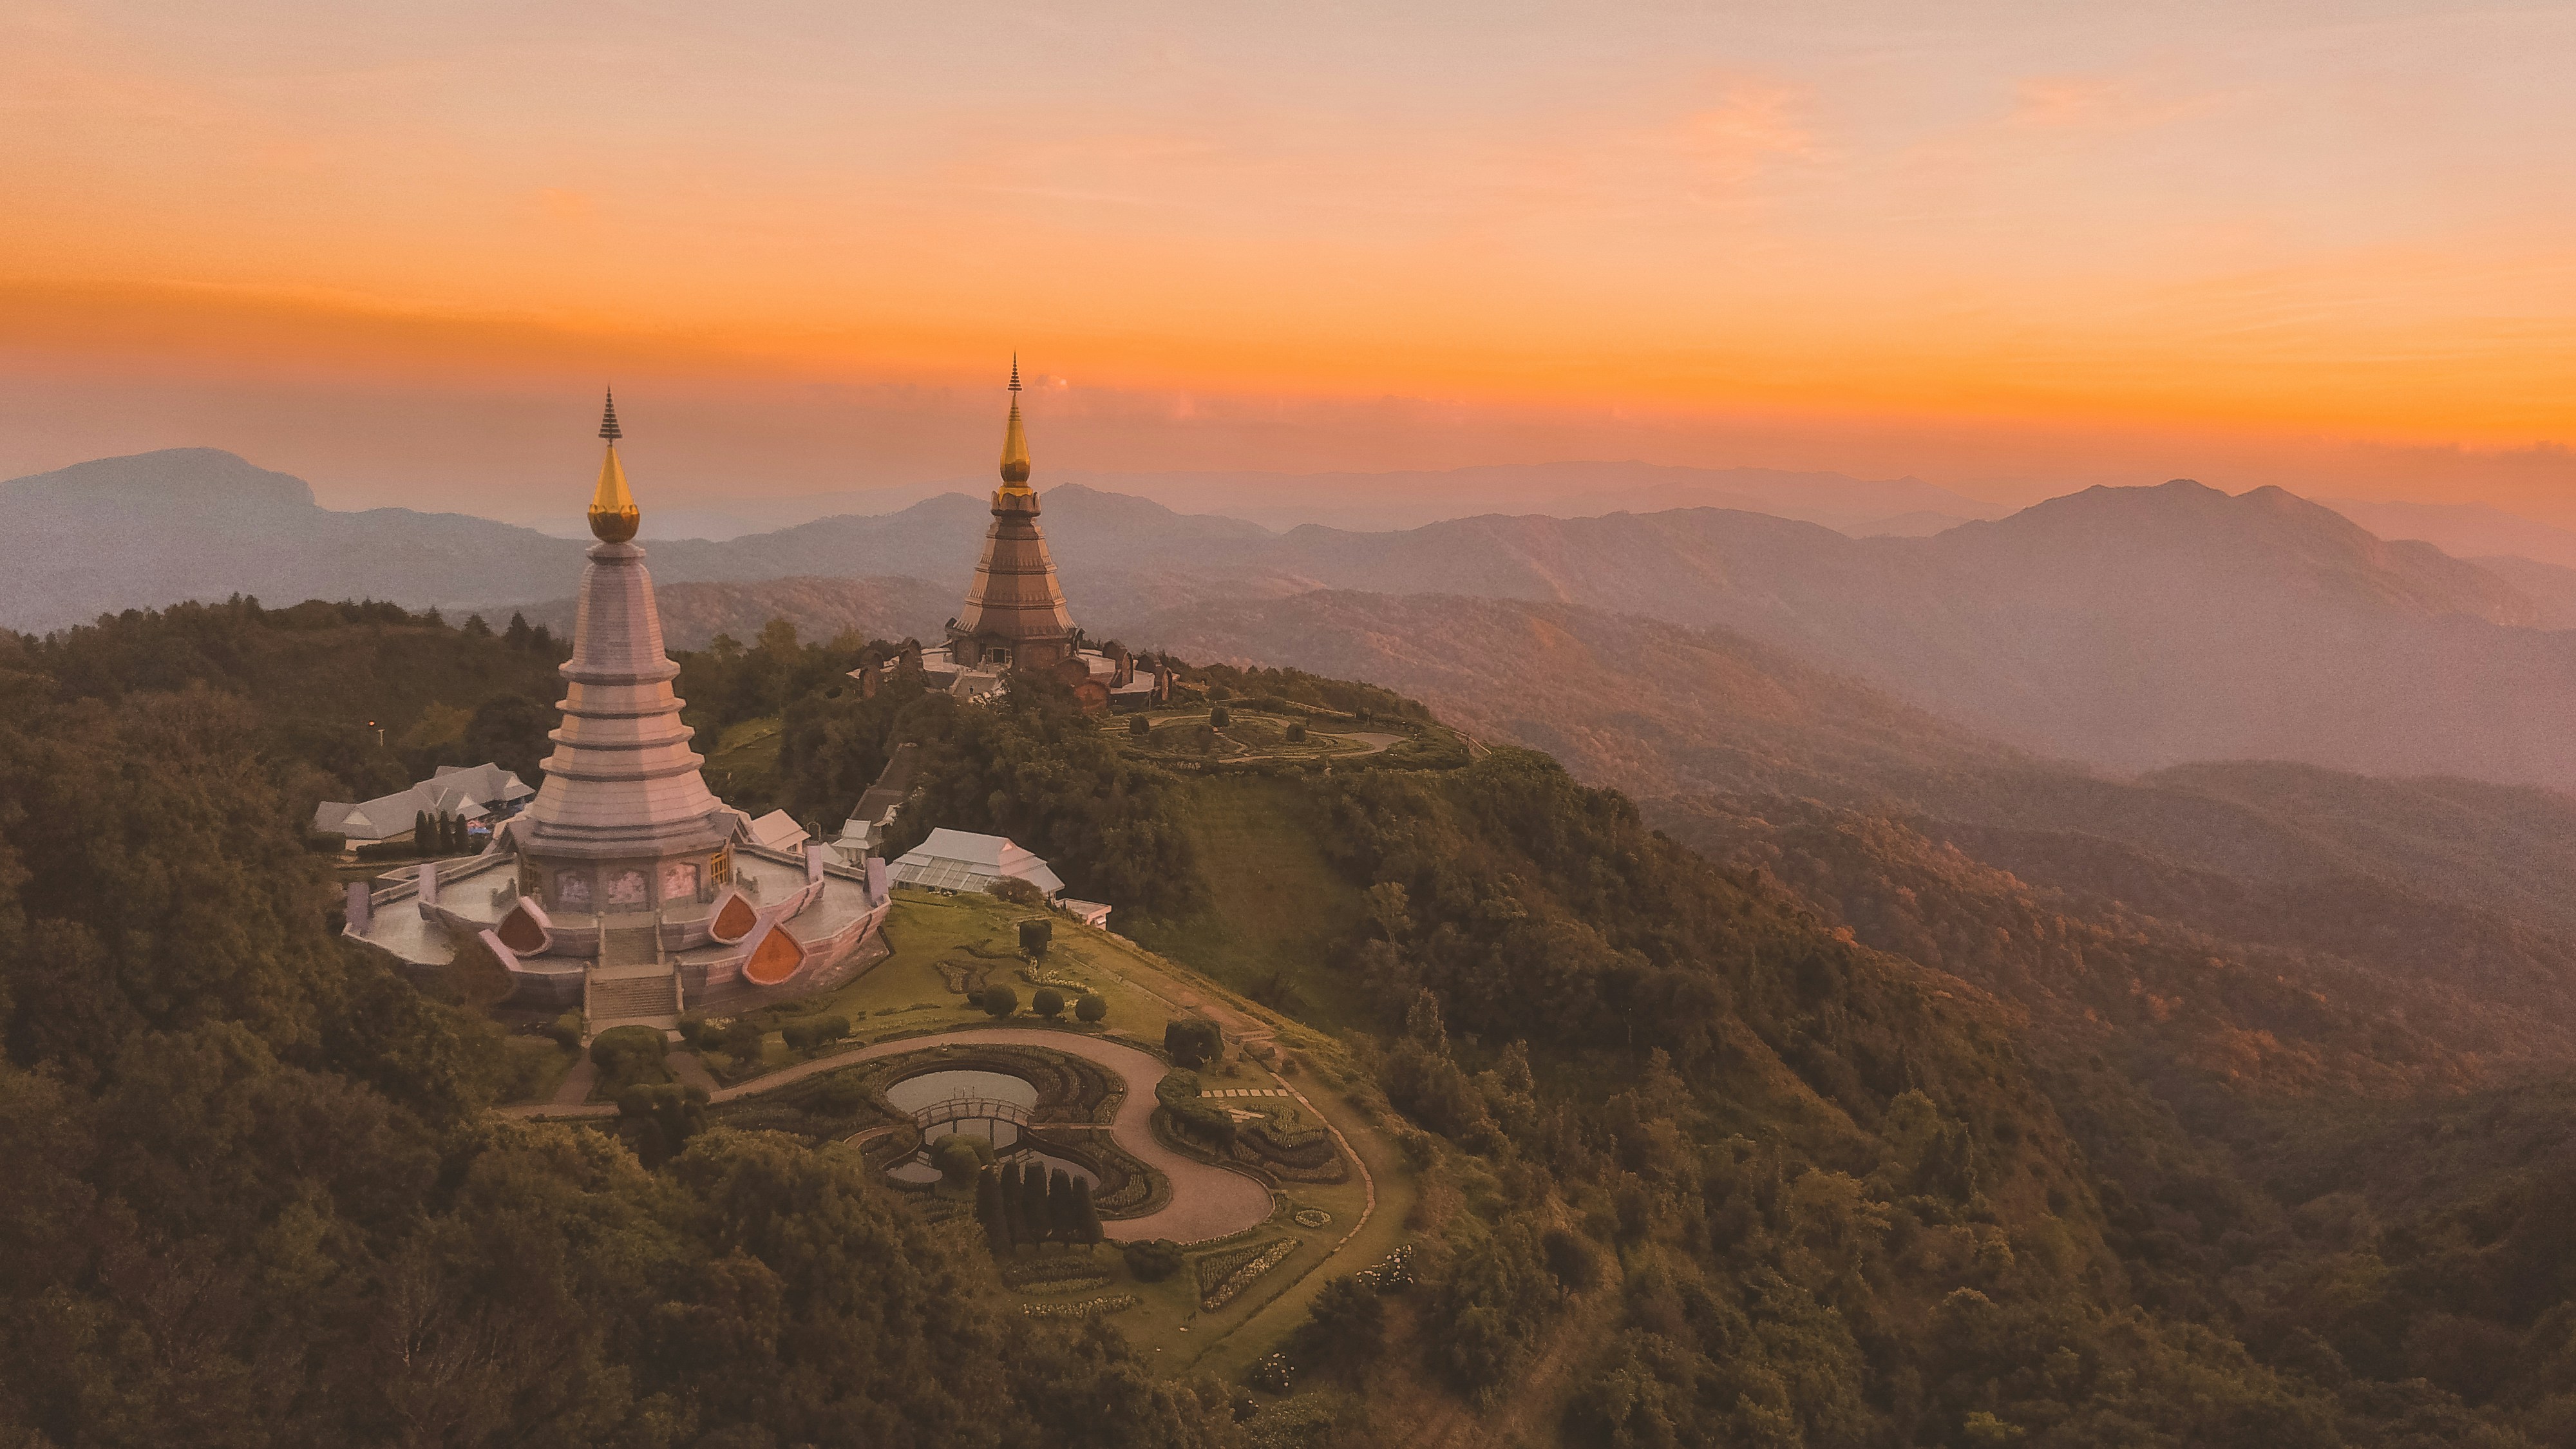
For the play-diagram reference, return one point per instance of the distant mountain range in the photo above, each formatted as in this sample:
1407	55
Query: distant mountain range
694	614
2392	894
1857	506
2133	628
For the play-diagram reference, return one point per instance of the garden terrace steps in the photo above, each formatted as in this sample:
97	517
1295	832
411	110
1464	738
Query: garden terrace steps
632	1000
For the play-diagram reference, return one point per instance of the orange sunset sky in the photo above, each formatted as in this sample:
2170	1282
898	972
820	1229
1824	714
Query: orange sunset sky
2010	248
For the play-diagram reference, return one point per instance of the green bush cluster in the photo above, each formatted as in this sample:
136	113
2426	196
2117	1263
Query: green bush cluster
1093	1007
1193	1041
1048	1002
627	1055
257	1196
805	1036
668	1114
1151	1260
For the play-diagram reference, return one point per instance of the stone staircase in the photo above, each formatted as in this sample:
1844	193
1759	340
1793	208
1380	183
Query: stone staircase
631	984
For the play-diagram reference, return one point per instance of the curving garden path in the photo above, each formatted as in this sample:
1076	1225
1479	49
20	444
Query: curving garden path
1207	1201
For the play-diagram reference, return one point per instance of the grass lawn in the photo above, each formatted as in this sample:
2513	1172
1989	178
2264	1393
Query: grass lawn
743	766
907	993
1276	908
1187	735
535	1066
1167	1322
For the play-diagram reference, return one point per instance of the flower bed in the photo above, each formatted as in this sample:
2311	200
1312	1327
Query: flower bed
1272	1373
1074	1285
1223	1276
1099	1307
1390	1274
1049	1273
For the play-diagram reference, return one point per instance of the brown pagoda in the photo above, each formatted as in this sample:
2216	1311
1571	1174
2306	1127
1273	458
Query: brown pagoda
1014	616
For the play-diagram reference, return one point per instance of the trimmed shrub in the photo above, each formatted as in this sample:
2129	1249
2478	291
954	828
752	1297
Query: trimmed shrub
1153	1260
1207	1122
627	1054
693	1028
1297	732
1192	1041
1034	938
960	1157
740	1040
999	1000
670	1114
799	1036
566	1030
1092	1007
1220	717
843	1092
831	1029
1048	1002
1139	727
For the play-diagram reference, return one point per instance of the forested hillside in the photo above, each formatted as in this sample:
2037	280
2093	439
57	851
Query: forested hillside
1832	1135
255	1198
1724	1170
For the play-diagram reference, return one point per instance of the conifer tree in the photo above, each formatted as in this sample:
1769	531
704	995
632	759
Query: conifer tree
1033	1203
424	836
1014	1228
1062	1223
1086	1218
988	1209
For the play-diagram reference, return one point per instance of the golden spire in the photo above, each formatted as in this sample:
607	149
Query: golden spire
613	514
1015	443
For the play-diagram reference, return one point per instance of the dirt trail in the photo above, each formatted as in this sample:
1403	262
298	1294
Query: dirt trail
1538	1391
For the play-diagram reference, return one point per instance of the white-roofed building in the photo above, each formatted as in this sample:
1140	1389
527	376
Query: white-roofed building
469	792
959	860
778	830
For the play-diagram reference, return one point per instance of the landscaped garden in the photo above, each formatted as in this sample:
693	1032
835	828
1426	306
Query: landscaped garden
929	988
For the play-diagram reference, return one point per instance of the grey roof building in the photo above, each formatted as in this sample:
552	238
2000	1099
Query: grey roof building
469	792
960	860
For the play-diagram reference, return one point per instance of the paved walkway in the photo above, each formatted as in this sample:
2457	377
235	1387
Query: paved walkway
573	1090
1207	1201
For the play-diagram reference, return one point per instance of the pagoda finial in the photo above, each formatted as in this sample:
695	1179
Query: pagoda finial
613	514
1015	441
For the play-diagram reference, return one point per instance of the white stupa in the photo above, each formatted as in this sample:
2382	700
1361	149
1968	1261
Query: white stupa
626	885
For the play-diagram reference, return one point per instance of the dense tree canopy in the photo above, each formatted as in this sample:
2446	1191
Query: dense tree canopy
255	1197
